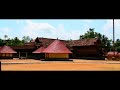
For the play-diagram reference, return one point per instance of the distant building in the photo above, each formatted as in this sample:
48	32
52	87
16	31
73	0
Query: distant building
110	55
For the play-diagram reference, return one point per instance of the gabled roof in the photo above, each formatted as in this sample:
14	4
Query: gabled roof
56	47
7	49
0	47
30	43
112	53
84	42
46	41
39	50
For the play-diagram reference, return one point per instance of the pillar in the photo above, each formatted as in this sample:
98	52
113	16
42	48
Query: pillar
19	54
26	54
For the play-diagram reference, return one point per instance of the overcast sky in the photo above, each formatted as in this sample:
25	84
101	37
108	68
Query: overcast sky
53	28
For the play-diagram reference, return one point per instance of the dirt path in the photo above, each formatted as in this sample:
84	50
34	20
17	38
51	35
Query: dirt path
76	65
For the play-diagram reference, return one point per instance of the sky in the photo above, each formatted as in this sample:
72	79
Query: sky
65	29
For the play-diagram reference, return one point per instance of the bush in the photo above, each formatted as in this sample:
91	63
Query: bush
113	58
118	49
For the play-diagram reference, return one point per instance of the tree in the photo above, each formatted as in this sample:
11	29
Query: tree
118	49
1	42
117	45
15	42
105	42
26	39
5	36
31	39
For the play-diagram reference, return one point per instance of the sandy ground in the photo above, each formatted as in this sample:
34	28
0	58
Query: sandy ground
75	65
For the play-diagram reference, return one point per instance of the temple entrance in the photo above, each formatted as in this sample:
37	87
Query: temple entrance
22	55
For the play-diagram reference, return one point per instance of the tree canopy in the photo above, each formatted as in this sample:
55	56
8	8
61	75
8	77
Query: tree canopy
26	39
117	45
105	42
14	41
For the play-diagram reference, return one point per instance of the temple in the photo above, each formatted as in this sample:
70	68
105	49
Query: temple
83	48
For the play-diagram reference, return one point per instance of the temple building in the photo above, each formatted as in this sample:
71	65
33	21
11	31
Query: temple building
57	51
39	53
83	48
6	52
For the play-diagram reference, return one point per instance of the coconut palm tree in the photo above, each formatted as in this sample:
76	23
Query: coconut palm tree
5	36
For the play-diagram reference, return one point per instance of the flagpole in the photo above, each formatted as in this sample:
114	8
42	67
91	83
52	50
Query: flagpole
113	38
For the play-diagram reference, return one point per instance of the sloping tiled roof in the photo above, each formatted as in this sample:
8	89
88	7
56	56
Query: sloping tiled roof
56	47
30	43
83	42
39	50
0	47
112	53
47	41
23	47
7	49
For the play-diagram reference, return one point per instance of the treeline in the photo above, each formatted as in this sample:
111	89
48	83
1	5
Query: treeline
14	41
106	43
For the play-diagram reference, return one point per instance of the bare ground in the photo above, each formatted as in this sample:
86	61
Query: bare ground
76	65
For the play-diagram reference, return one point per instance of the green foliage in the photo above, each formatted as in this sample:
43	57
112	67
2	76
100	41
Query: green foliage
105	42
1	42
5	36
26	39
15	42
118	49
117	43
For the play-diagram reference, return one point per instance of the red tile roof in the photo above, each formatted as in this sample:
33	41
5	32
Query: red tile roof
23	47
39	50
83	42
7	49
0	47
30	43
56	47
47	41
112	53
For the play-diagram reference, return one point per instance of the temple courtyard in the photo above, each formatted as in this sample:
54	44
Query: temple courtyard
75	65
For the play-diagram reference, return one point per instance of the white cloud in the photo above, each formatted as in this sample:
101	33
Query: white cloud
4	31
117	29
108	25
35	29
37	26
108	29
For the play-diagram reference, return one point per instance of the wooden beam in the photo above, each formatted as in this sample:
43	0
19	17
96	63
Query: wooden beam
19	54
26	54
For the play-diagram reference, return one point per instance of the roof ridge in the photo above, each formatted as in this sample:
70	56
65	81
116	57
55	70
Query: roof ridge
50	38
